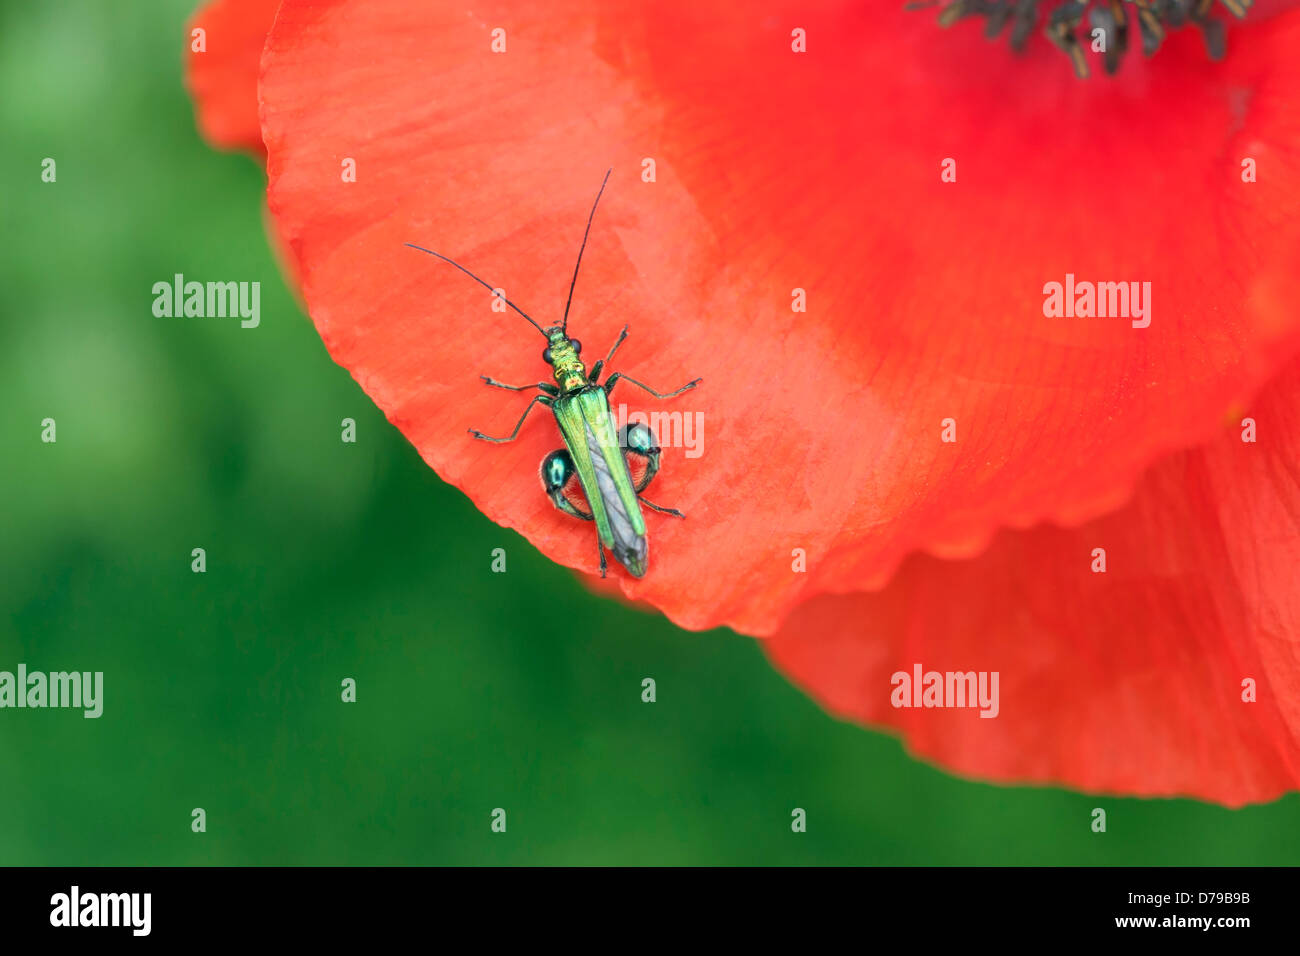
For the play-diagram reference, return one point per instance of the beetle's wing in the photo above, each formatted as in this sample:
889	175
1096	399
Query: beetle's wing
573	426
592	439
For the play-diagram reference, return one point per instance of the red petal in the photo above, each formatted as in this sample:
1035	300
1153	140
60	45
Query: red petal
1128	681
778	170
223	78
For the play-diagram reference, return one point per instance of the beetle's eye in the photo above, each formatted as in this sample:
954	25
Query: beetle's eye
546	355
577	346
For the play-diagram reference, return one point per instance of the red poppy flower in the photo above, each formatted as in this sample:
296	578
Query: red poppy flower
921	403
1174	672
225	47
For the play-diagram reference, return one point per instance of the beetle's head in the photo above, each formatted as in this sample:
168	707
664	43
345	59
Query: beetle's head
563	354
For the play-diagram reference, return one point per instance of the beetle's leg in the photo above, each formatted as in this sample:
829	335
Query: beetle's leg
663	511
544	386
568	507
636	438
536	398
614	379
557	469
595	369
651	469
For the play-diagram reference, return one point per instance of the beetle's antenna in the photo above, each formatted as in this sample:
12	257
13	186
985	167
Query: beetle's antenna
480	282
565	325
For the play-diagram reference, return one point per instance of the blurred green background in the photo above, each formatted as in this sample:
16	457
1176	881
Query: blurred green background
328	560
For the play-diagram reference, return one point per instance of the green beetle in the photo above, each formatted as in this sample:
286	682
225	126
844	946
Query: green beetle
594	452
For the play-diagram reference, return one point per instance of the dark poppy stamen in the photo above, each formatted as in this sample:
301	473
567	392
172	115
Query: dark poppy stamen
1078	26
